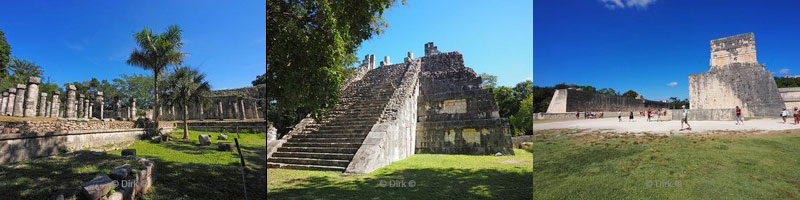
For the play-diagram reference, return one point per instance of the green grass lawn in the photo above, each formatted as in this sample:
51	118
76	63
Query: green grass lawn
183	170
434	176
730	165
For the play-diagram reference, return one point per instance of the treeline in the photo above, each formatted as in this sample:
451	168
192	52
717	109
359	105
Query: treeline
515	103
783	82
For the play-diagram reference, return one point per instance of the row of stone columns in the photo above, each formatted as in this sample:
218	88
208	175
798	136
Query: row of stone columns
26	101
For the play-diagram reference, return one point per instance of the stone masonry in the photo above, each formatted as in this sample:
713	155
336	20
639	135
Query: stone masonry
32	97
735	79
571	100
431	104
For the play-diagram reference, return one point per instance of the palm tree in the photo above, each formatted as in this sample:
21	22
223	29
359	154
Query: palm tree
187	86
156	52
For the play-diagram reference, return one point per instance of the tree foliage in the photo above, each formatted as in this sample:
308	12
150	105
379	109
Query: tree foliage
186	87
489	81
309	46
783	82
156	52
630	93
260	79
523	119
5	55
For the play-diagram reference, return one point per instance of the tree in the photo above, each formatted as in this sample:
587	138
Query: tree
630	93
506	101
186	86
260	79
309	46
523	89
156	52
523	119
489	81
136	86
608	91
5	55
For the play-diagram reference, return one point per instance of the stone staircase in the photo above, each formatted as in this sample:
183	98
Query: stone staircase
332	143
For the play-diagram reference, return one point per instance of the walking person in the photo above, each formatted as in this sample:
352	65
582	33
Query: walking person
685	118
648	115
577	115
630	117
739	116
619	116
784	114
658	115
796	116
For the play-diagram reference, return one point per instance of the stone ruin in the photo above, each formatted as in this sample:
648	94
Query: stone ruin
735	79
431	104
572	100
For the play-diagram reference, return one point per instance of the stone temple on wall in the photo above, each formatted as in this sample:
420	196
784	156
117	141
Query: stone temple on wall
735	79
431	104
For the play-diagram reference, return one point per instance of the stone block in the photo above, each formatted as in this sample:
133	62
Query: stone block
129	152
222	137
98	187
204	139
226	146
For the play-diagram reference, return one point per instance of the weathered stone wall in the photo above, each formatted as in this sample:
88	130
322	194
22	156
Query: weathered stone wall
791	97
12	127
705	114
579	101
735	79
748	86
558	104
227	126
455	115
23	146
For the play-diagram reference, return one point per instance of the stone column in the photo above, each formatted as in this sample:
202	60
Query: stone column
202	115
56	104
235	109
118	108
81	112
243	113
42	105
69	108
172	112
12	97
19	102
91	109
86	109
3	103
255	109
133	109
100	103
32	97
219	111
48	109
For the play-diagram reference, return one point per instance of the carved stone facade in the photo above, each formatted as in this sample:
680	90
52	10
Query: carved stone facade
736	79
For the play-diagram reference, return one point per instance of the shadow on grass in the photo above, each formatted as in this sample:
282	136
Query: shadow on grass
575	162
175	180
47	177
428	183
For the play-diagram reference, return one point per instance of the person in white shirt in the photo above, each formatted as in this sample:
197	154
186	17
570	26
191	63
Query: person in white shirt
685	118
784	115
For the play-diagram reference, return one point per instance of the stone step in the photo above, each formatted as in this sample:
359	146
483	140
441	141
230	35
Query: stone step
375	115
355	139
331	132
329	156
350	127
309	161
309	167
323	144
350	136
350	123
318	149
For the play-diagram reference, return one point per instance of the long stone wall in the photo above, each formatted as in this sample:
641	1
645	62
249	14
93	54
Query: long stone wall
791	97
23	146
736	79
571	100
455	115
706	114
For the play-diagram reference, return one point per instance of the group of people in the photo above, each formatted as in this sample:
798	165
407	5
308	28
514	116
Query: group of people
795	113
589	115
651	113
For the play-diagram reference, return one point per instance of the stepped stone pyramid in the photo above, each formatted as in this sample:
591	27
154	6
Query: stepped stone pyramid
432	104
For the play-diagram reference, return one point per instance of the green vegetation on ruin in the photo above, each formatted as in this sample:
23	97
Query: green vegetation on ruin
723	165
436	176
184	170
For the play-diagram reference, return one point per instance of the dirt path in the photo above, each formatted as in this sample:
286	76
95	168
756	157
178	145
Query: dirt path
665	127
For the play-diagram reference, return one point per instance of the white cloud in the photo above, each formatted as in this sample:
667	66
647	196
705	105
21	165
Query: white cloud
784	71
614	4
672	84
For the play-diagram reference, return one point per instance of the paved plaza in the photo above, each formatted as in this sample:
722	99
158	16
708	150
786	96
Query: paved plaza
666	127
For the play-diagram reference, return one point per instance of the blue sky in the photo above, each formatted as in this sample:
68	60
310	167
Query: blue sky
644	45
78	40
494	37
